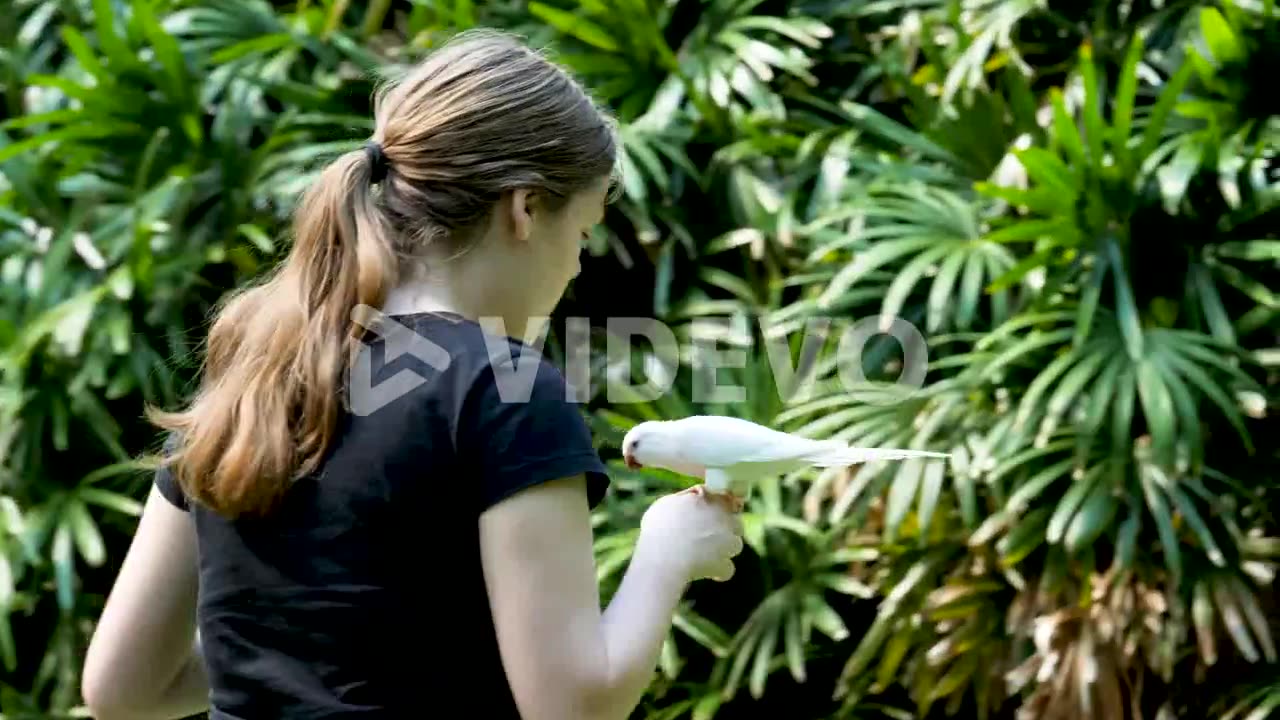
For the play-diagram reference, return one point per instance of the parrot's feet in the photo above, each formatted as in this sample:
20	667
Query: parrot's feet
735	503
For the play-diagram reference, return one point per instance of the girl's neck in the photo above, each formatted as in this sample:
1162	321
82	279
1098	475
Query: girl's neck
424	297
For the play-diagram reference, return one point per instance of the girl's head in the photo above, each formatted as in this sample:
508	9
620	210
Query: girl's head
497	163
487	165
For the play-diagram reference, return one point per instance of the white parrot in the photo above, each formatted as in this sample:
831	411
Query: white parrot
731	454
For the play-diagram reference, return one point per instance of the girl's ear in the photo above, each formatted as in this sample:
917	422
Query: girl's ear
519	209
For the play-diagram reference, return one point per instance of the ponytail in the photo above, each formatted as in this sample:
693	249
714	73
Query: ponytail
268	403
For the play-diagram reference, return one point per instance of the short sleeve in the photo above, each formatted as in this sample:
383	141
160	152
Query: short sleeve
518	428
166	483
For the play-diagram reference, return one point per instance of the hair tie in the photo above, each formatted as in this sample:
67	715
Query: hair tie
377	161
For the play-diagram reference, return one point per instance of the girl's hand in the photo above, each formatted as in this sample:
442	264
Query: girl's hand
697	531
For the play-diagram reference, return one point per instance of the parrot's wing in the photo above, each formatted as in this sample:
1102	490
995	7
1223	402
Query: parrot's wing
856	456
715	441
829	453
790	448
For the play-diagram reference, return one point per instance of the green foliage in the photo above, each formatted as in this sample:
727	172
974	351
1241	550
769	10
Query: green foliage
1076	206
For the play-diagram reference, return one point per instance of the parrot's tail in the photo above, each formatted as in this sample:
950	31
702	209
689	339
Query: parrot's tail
841	456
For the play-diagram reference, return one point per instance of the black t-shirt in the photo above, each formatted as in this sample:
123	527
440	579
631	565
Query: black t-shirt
363	595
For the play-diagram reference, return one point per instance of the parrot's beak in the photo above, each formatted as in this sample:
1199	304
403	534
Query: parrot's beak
631	462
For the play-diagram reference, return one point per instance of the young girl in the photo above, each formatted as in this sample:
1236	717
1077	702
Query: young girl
423	551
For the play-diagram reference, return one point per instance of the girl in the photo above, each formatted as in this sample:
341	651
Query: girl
374	553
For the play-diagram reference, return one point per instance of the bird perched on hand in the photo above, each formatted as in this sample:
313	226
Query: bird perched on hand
731	454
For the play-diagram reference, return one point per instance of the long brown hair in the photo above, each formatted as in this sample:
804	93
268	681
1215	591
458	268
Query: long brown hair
482	115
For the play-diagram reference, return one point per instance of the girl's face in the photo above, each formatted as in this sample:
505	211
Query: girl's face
554	244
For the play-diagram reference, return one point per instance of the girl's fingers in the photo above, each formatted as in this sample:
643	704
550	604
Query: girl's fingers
736	548
724	573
